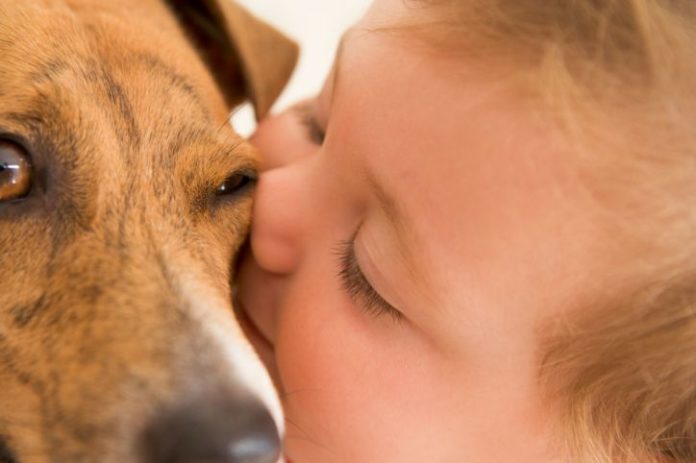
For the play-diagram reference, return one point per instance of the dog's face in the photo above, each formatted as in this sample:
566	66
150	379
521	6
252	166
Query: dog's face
124	196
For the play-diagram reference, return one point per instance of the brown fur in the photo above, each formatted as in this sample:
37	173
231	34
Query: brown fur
122	233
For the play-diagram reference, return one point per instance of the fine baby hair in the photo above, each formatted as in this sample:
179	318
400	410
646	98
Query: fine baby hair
618	77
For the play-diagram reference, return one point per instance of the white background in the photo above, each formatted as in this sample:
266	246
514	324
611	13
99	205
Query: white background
317	25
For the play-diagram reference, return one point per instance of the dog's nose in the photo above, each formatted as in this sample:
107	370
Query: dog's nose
229	430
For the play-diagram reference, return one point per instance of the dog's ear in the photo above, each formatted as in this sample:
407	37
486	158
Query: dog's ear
248	58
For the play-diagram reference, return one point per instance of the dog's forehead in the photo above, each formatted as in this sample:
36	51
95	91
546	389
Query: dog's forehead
110	67
116	118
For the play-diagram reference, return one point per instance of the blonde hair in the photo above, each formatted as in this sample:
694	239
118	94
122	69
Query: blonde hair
621	76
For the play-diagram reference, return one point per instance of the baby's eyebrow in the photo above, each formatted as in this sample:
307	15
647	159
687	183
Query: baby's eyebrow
402	225
388	204
339	56
341	47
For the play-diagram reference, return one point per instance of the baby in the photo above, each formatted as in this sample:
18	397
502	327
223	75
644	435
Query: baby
474	244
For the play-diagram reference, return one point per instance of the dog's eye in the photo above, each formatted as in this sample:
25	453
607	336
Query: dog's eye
15	171
237	183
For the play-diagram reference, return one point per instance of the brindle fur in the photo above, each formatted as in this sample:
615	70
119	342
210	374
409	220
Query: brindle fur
113	266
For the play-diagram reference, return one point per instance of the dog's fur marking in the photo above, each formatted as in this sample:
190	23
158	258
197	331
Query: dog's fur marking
175	79
24	313
49	71
118	96
9	359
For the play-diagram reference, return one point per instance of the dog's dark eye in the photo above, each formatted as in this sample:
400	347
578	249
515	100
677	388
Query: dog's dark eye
15	171
236	183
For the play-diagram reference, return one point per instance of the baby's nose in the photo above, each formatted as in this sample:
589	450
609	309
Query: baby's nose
218	430
282	216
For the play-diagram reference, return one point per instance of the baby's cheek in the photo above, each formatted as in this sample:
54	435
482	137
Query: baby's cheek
353	384
331	381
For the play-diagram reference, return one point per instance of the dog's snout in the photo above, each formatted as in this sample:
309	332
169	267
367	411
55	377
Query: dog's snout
222	430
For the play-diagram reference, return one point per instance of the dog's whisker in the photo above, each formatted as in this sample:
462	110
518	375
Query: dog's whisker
311	441
304	439
289	421
293	392
222	126
306	436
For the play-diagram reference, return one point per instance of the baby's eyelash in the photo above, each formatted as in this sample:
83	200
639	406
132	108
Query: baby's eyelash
359	288
308	119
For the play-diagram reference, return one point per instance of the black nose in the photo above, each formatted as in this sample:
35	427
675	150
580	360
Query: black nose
219	430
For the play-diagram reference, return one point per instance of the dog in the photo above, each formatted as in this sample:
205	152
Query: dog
125	196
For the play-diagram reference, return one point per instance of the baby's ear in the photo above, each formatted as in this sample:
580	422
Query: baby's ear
248	58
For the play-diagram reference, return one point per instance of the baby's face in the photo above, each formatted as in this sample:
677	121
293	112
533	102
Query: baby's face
414	228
